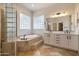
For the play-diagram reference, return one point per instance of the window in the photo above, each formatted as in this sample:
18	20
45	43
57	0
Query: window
9	23
24	22
39	22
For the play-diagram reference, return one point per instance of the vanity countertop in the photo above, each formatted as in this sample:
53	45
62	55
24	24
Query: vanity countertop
59	32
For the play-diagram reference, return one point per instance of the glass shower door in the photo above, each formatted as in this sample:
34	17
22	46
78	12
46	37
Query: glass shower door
8	30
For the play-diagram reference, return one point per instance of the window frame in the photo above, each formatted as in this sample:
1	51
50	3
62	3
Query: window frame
42	26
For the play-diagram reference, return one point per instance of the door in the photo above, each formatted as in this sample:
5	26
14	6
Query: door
73	42
52	39
46	38
76	42
64	41
70	42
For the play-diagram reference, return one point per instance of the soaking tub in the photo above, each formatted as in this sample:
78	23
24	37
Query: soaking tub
22	45
28	43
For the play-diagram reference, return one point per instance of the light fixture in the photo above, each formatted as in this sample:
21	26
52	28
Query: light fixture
58	15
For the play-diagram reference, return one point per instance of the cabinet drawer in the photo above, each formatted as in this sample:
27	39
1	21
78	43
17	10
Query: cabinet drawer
57	36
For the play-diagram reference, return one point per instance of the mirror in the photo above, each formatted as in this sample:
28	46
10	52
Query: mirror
54	26
60	27
59	23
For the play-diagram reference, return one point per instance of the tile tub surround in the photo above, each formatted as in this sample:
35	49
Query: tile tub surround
30	49
8	48
26	45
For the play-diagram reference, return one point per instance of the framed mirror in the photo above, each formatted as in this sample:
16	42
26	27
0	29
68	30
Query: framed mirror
62	23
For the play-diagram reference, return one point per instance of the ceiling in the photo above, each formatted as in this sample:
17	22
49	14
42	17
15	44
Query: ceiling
37	6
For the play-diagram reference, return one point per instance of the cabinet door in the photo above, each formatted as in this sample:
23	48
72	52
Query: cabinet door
73	42
64	41
76	46
46	38
52	39
76	42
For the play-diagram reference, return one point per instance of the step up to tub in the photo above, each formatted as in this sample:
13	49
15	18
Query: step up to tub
37	44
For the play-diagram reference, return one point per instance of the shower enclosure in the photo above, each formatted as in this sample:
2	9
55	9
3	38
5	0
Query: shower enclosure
8	29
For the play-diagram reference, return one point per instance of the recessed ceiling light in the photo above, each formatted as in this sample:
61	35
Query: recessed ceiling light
32	5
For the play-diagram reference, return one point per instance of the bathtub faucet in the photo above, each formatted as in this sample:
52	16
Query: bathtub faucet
24	36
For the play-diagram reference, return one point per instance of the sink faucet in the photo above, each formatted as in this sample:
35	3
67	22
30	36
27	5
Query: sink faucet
67	31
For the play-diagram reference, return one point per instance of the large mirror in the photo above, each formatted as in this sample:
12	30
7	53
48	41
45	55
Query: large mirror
62	23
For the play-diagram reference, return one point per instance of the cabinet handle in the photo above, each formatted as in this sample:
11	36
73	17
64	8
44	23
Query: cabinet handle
70	37
57	35
67	37
57	40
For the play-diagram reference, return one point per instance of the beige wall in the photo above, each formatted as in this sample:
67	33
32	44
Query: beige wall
20	9
77	17
0	25
68	8
0	31
71	9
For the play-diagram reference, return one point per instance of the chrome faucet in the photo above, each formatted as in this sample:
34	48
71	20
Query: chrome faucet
24	37
67	31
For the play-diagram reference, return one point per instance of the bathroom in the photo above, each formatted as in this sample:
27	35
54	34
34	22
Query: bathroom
39	29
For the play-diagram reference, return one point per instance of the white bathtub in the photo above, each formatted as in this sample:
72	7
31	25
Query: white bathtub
31	42
28	37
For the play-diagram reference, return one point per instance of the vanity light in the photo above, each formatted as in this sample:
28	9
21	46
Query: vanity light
58	15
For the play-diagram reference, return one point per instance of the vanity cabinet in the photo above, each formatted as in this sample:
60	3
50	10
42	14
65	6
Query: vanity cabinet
47	38
70	42
73	42
57	39
52	39
64	41
67	41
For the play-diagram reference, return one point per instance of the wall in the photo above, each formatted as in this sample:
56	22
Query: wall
77	23
0	31
77	18
21	9
65	8
68	8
